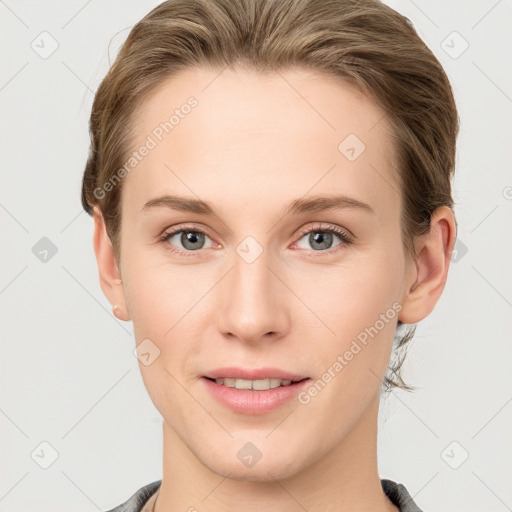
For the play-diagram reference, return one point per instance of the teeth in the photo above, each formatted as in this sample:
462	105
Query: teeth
258	385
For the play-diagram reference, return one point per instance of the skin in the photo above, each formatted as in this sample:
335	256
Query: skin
252	145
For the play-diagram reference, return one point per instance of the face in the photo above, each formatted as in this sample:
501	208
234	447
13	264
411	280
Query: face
264	274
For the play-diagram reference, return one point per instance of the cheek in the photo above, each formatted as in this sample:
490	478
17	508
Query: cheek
160	298
358	308
168	304
358	305
351	296
165	305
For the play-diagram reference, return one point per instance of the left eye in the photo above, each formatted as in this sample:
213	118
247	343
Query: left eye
322	239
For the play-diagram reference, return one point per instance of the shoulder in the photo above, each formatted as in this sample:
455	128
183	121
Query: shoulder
138	500
399	495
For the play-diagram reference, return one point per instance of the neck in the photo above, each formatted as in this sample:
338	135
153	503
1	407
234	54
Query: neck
344	479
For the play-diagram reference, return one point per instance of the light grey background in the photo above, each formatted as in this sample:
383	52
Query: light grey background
68	374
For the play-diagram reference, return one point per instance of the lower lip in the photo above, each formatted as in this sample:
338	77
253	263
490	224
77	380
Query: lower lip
249	401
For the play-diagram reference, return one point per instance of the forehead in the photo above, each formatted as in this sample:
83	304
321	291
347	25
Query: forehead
249	135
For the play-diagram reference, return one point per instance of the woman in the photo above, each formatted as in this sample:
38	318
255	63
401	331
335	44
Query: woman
270	188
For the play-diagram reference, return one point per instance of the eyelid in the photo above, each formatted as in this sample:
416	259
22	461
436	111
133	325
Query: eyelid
183	227
319	226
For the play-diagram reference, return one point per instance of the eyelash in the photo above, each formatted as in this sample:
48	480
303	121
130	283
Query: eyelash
346	238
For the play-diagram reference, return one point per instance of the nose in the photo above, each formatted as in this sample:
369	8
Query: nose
253	301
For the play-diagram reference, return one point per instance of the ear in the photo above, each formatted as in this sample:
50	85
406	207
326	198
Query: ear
110	276
428	274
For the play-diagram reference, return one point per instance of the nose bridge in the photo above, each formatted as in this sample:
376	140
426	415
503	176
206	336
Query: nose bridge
251	305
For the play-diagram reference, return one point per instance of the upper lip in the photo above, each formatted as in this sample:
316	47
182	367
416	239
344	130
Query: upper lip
253	374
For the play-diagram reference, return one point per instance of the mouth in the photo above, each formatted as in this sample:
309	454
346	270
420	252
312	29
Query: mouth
255	385
257	395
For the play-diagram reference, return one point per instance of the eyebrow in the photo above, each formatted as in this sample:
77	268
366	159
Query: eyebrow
315	204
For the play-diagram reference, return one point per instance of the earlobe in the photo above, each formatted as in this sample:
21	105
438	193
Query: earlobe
430	273
109	273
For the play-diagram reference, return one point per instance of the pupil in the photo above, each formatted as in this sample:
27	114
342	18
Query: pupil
324	239
189	238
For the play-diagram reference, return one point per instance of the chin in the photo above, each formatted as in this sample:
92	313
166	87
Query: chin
277	466
259	473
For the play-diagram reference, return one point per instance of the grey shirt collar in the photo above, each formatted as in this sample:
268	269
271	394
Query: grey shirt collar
396	492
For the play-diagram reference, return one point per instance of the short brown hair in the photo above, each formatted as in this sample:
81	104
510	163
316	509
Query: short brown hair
365	43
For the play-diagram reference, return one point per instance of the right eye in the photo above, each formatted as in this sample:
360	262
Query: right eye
191	240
